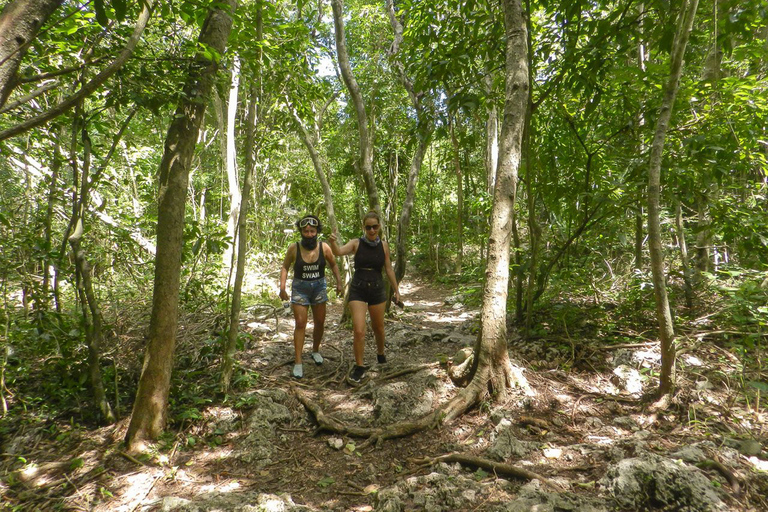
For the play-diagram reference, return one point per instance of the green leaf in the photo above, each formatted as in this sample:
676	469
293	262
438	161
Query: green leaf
101	14
325	482
119	6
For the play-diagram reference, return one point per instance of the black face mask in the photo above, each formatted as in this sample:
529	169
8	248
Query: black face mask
309	243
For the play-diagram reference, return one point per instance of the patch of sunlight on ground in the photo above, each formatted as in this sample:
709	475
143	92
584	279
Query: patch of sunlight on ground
444	318
760	465
232	486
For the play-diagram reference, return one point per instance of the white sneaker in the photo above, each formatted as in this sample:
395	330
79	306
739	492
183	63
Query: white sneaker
317	358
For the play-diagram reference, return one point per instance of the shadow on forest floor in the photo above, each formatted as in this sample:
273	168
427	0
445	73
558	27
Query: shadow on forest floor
582	425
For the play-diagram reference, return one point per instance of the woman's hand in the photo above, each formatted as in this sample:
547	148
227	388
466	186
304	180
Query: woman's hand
284	294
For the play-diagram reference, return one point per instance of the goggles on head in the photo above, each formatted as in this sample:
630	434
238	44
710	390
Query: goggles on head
308	221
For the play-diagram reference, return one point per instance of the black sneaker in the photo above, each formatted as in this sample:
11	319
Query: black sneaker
358	374
381	359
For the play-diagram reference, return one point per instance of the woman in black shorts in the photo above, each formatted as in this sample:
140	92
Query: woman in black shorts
367	288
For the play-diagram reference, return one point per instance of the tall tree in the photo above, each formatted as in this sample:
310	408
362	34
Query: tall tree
663	312
424	129
149	409
366	140
492	365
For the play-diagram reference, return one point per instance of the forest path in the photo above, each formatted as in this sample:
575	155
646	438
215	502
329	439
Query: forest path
581	421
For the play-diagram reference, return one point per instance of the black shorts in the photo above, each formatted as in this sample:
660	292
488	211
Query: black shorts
372	292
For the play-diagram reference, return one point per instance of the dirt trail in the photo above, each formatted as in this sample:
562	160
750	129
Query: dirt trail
261	445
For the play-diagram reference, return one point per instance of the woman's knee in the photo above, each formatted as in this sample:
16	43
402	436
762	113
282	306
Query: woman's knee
358	331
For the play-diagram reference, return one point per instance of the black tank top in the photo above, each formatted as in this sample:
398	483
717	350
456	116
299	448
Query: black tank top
369	260
309	271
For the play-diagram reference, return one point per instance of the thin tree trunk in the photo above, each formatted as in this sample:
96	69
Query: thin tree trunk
20	23
703	237
491	139
424	128
235	197
684	255
366	142
459	193
242	243
241	235
312	140
639	236
149	409
93	326
663	312
47	227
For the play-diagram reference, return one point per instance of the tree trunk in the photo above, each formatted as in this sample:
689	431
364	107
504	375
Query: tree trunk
366	142
703	237
20	22
424	128
684	255
492	368
228	360
235	198
47	228
242	242
639	236
663	312
312	141
491	139
460	195
149	410
93	325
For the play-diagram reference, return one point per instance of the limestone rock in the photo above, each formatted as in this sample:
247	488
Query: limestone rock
653	482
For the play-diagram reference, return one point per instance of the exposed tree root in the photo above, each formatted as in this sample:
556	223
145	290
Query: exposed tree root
406	371
446	413
724	471
495	467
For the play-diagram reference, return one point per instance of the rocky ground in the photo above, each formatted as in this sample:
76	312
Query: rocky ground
580	436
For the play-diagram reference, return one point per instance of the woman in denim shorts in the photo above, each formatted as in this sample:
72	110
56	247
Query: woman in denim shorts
367	288
308	259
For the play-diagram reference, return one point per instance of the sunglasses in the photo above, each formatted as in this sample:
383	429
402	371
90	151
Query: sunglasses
371	226
308	221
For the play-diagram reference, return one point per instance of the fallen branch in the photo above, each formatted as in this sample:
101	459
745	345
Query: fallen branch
406	371
133	459
536	422
496	467
628	345
725	472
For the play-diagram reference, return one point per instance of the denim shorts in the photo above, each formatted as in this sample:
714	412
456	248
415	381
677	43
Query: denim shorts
372	292
309	293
